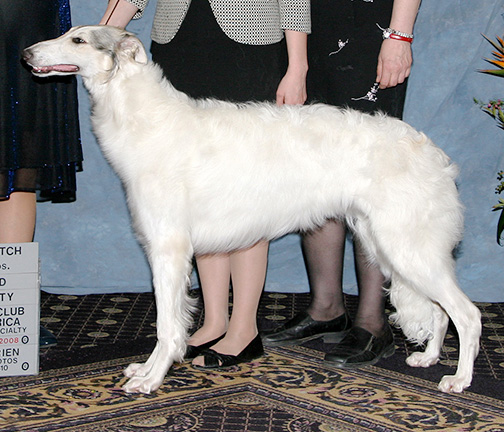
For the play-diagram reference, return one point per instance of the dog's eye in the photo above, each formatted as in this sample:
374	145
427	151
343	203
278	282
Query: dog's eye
78	40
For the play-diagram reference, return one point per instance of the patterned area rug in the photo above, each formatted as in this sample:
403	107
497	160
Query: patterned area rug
287	390
82	323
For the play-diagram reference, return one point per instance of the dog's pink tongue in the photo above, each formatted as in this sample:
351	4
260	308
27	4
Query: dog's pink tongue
57	68
66	68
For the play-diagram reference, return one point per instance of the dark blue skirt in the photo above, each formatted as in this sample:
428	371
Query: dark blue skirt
39	136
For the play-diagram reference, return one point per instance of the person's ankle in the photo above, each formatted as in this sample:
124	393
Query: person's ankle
325	314
377	327
205	334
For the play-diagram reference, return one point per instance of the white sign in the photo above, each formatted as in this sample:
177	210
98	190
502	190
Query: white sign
19	309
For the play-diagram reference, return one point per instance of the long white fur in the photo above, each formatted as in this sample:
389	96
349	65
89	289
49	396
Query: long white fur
210	176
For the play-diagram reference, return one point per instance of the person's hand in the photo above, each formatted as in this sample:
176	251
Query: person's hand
292	88
394	63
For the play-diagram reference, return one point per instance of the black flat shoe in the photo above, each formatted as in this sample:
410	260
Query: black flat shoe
193	351
360	348
215	360
302	328
46	338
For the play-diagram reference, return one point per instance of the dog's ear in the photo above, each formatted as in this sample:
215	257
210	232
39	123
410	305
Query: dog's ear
131	47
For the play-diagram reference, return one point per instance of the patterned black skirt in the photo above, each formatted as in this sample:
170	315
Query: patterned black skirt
343	55
203	62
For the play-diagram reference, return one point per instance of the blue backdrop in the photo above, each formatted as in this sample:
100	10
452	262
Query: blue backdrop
89	247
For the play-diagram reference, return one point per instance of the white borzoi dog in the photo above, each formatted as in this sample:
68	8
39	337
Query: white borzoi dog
210	176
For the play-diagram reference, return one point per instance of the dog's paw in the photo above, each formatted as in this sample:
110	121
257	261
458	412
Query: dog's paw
143	385
421	359
136	370
453	384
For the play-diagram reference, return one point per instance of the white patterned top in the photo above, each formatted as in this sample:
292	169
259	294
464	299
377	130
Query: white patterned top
253	22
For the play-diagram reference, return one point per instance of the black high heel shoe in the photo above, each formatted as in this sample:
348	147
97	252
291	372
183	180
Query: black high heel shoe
215	360
193	351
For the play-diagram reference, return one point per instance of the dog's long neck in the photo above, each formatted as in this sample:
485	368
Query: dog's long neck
131	91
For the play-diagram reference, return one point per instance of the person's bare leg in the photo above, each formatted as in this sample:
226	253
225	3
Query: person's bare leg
214	274
248	272
17	218
17	225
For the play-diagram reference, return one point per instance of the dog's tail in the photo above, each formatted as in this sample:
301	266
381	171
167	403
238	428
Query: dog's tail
414	312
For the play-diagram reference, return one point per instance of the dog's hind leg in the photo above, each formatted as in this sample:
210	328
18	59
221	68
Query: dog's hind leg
440	295
171	264
467	320
415	242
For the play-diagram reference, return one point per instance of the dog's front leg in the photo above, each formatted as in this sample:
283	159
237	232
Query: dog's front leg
170	263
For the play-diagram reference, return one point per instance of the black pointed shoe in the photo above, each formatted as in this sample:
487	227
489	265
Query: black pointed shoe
302	328
46	338
193	351
360	348
215	360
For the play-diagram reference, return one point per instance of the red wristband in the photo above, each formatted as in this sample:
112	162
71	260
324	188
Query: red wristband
394	34
401	38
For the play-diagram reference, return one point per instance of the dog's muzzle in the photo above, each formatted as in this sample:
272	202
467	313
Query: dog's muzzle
59	69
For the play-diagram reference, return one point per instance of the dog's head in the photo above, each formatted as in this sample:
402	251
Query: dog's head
89	51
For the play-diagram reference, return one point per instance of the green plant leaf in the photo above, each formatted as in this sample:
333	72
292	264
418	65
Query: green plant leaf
500	228
495	109
499	57
497	47
499	62
496	72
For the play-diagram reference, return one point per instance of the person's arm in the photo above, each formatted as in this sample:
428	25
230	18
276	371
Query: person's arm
119	13
395	58
292	88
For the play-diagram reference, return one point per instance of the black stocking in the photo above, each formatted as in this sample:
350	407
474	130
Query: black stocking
324	251
371	310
